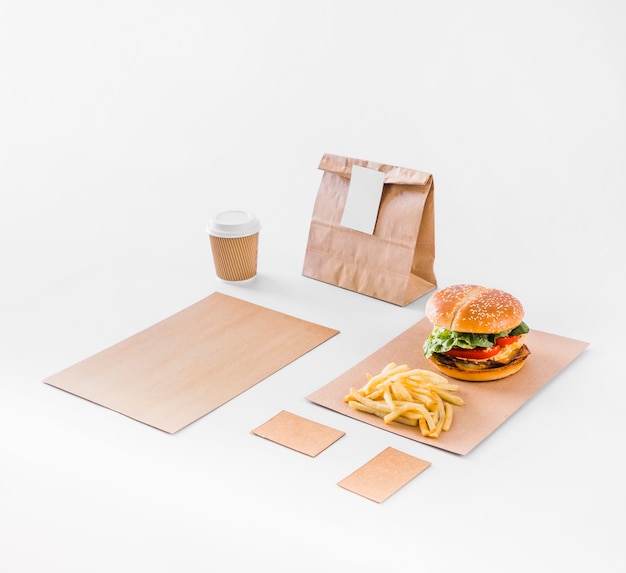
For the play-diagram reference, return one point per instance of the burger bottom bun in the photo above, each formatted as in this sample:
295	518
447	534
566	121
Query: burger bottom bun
485	375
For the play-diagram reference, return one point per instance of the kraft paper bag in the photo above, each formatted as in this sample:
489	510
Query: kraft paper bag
391	260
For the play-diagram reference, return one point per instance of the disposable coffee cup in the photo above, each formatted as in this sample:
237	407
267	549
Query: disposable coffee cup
234	237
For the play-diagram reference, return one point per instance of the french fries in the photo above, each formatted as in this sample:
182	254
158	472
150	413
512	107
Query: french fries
413	397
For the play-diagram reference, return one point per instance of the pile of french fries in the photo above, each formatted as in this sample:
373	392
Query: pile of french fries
414	397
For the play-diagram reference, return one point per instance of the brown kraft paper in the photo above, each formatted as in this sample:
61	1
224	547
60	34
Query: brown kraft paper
186	365
395	263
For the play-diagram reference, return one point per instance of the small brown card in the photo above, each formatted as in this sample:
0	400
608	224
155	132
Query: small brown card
384	474
297	433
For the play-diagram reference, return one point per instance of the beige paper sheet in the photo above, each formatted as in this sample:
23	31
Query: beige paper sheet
487	404
384	474
181	368
298	433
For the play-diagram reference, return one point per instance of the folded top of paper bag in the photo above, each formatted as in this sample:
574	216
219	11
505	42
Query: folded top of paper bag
399	175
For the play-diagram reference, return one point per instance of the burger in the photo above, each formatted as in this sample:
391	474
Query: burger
478	333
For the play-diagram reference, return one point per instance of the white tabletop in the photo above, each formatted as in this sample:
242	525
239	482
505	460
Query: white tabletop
125	125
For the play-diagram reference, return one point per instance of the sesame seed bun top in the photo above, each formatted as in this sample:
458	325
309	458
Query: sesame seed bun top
473	308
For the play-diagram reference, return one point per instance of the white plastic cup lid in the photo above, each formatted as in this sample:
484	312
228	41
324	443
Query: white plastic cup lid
233	224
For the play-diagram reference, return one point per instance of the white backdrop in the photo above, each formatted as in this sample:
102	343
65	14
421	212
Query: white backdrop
125	125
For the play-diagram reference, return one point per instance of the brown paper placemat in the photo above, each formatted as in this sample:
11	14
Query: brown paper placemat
487	404
181	368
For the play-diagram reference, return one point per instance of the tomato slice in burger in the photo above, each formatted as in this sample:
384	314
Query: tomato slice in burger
505	340
474	353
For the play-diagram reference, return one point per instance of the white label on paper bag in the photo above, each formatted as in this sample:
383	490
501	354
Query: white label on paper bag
364	194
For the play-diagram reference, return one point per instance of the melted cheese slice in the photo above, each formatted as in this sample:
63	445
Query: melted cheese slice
507	353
